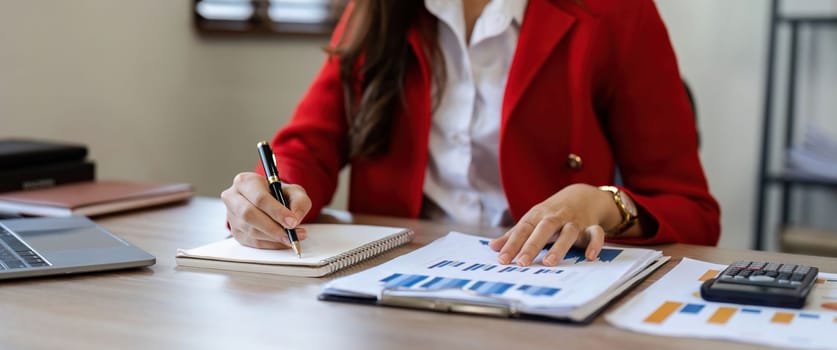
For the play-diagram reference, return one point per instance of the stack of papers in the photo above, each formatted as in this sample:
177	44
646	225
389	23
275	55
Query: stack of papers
460	271
815	156
672	306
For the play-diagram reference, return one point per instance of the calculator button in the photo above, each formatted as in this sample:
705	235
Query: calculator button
740	264
761	278
756	265
732	272
787	268
797	276
772	267
803	269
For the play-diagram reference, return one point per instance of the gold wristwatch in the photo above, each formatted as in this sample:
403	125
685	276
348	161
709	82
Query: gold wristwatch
626	207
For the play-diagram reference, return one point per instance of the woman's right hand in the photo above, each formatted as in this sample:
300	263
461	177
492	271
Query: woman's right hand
257	219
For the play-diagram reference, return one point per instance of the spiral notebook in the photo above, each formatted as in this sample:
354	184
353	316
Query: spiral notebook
328	248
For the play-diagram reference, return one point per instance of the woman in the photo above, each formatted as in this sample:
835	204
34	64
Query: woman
503	113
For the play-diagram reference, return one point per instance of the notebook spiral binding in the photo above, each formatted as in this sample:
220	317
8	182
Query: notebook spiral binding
361	253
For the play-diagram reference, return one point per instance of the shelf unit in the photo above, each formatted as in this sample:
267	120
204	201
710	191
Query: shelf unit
787	181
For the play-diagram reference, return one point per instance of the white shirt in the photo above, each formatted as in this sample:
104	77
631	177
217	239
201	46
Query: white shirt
462	179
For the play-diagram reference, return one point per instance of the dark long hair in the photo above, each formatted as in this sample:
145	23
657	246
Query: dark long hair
375	56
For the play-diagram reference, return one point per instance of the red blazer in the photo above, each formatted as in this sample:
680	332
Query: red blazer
598	81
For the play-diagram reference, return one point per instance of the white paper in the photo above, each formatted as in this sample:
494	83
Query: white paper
462	267
814	326
324	242
815	156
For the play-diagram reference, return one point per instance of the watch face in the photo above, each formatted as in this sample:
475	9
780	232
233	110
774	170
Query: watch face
629	203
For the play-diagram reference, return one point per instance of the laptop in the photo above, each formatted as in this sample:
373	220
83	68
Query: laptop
50	246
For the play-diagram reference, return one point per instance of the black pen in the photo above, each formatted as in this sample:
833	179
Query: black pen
269	165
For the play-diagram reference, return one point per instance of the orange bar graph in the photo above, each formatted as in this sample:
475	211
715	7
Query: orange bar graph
782	317
663	312
708	274
722	315
820	280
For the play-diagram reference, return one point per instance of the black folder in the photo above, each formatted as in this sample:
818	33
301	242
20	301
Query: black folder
27	164
20	153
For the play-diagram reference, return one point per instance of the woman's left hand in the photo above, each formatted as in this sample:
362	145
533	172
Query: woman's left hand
573	216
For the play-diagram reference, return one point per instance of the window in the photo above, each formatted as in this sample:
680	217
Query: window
268	16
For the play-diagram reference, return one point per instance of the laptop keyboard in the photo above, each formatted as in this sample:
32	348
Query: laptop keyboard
14	254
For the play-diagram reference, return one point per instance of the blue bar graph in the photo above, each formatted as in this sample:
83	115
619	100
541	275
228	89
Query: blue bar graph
444	283
692	308
391	277
750	311
481	266
606	255
490	288
538	291
398	280
474	267
804	315
446	263
545	271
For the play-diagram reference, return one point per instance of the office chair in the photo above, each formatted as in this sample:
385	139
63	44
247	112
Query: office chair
694	109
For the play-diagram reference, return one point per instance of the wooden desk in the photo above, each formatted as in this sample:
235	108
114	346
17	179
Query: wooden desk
165	307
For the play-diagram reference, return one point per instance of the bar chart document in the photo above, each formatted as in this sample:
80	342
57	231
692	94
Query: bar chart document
673	306
460	273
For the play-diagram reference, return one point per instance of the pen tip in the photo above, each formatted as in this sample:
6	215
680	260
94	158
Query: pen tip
297	249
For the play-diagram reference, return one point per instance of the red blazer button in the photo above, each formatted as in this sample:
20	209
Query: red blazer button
574	161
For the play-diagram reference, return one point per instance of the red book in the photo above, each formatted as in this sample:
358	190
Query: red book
93	198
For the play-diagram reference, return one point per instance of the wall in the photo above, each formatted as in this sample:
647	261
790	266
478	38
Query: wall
156	102
153	100
721	48
815	207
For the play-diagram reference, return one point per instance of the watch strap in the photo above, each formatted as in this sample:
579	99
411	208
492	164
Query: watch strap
628	219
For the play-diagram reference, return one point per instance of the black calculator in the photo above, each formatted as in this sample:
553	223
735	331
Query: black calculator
762	283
